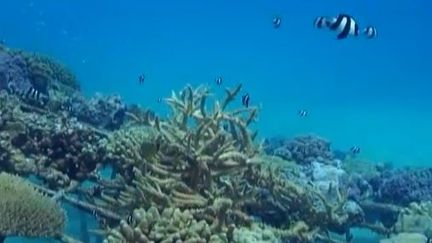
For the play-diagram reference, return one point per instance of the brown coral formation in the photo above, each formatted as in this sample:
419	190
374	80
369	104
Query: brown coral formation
26	212
51	146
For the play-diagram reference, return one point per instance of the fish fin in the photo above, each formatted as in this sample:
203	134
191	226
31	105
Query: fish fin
341	36
330	21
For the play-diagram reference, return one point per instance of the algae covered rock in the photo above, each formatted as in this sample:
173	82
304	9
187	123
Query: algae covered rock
27	212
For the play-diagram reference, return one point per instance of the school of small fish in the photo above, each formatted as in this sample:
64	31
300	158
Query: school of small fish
343	25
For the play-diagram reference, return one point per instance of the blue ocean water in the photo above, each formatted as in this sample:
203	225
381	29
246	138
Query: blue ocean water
371	93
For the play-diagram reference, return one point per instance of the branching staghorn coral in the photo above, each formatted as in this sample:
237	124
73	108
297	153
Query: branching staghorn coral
200	155
26	212
198	142
178	161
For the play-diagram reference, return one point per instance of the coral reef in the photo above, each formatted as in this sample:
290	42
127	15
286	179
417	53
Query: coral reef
359	188
105	112
197	175
27	212
35	78
416	218
172	225
189	158
255	234
328	179
55	148
14	77
130	147
40	81
405	238
403	186
44	71
302	149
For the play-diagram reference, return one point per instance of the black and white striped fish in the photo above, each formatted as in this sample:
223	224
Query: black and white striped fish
303	113
355	150
29	93
370	32
345	25
141	78
219	80
277	21
67	106
246	100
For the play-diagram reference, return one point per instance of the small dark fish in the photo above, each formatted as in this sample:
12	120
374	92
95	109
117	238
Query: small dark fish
277	21
345	25
219	81
141	78
370	32
130	219
303	113
355	150
246	100
96	191
225	127
67	106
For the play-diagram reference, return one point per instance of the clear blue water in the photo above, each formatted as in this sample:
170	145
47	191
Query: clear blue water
370	93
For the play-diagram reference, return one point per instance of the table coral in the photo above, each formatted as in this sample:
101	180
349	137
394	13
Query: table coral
26	212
